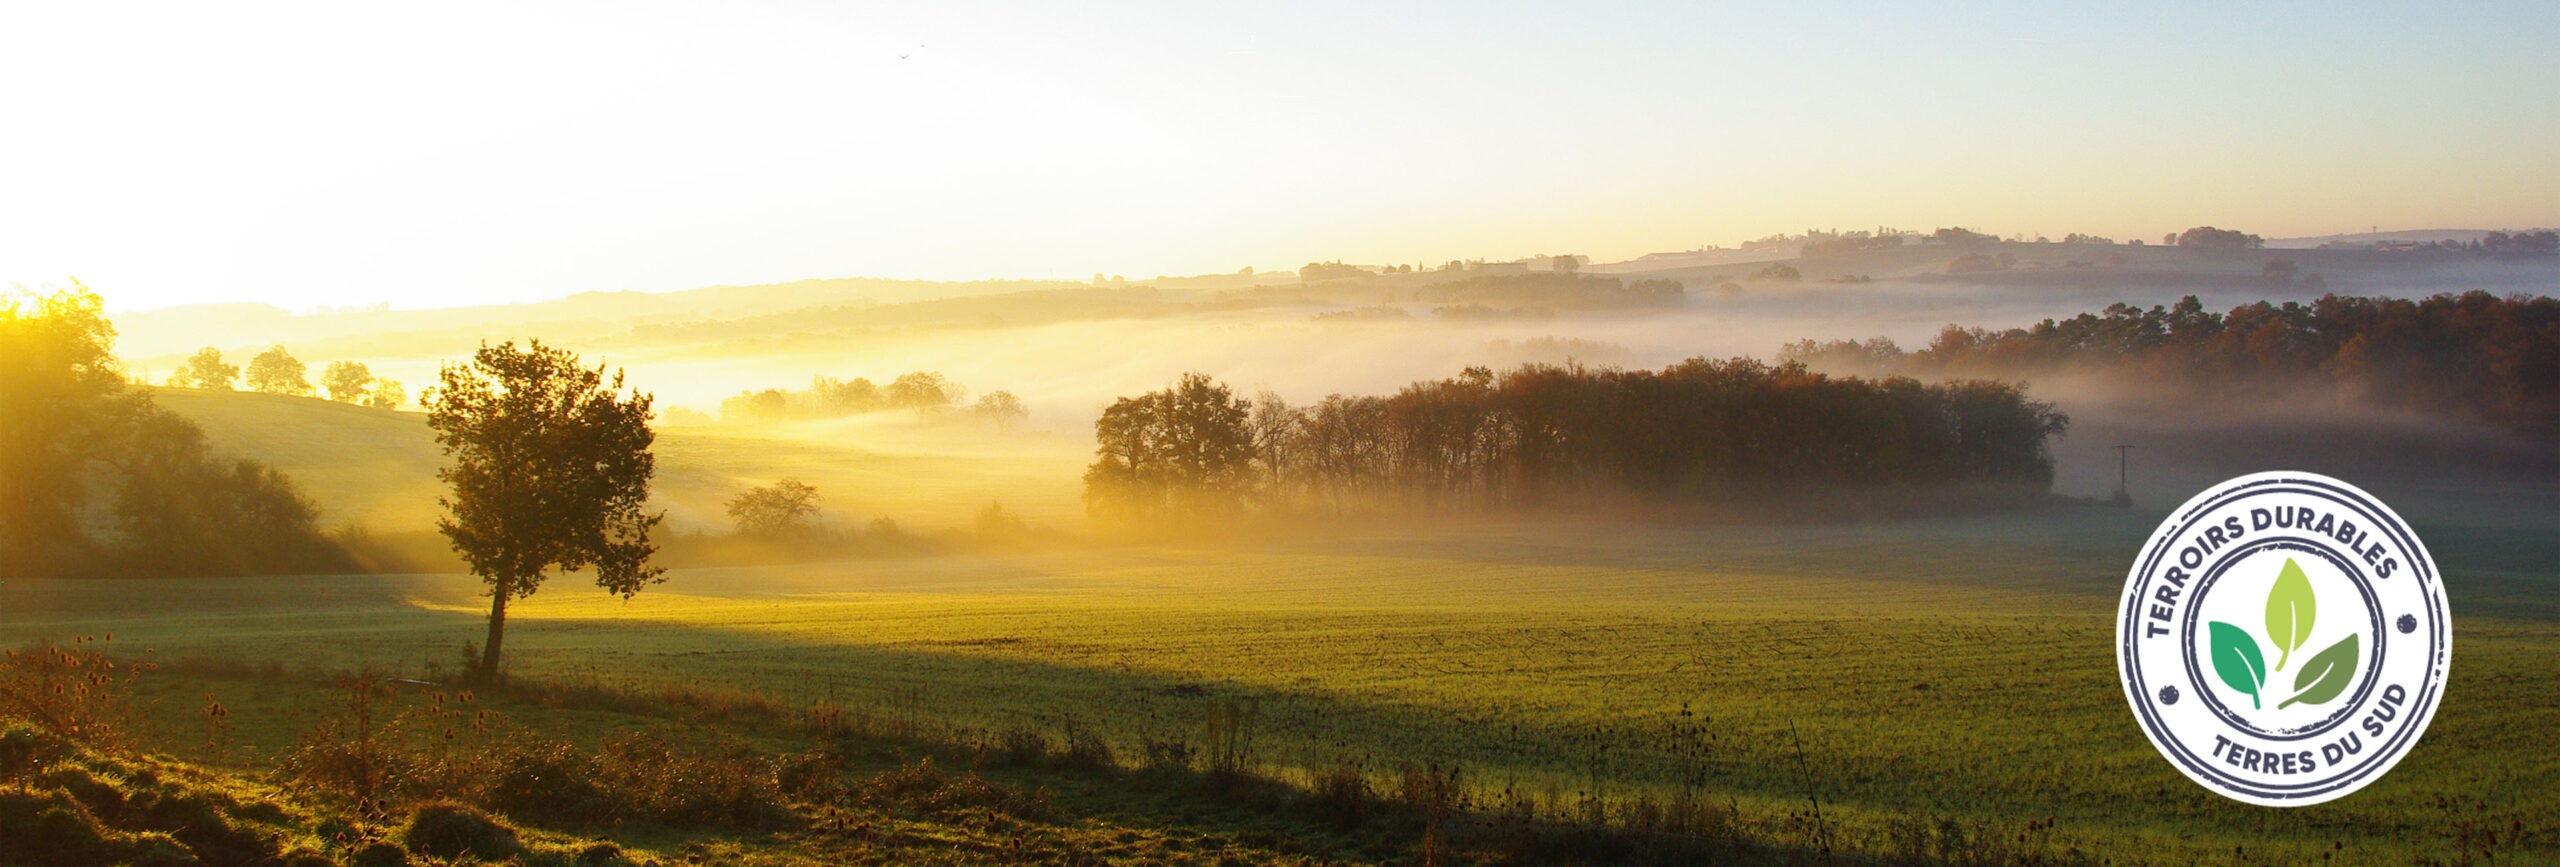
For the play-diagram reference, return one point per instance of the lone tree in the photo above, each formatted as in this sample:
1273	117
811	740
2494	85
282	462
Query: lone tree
1002	408
550	468
921	390
346	381
774	510
276	371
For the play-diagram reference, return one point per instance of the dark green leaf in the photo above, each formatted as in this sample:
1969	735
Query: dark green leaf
2325	676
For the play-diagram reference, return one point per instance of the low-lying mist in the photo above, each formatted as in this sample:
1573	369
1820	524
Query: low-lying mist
1066	360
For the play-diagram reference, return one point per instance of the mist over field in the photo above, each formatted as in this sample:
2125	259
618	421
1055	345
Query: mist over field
1067	350
649	434
1568	526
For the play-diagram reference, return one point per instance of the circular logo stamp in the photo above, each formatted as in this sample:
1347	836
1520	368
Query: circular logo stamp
2283	639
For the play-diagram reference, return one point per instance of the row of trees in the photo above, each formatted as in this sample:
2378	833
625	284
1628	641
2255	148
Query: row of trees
826	397
2210	238
276	371
1561	289
1826	245
1697	431
2542	243
2475	356
69	424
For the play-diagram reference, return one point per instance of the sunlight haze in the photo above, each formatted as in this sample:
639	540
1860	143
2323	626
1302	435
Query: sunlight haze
335	154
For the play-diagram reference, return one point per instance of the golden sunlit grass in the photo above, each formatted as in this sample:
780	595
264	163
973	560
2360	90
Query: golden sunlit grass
1953	668
1887	676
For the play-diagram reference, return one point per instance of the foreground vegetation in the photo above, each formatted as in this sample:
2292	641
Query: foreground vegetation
1819	687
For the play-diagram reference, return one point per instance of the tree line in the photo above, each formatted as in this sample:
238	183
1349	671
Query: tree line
922	391
1701	431
2474	356
1556	289
276	371
69	425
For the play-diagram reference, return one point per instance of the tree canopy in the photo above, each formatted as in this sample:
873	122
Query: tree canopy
346	381
65	414
549	468
1001	408
276	371
1697	431
774	510
205	370
1182	451
61	397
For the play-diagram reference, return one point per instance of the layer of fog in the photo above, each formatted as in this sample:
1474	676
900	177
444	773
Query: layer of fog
1066	372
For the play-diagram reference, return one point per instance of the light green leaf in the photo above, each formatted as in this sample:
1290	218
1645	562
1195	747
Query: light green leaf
2237	660
2325	675
2290	609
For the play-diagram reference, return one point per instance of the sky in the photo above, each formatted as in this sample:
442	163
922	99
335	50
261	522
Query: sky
430	155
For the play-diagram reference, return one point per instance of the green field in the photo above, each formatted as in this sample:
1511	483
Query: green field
1885	673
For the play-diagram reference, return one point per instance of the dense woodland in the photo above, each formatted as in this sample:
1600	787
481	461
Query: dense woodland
2475	357
1699	432
69	426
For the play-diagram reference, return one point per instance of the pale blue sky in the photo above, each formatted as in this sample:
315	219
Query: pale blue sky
458	153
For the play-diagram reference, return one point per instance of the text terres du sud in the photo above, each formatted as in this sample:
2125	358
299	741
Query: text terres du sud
2212	537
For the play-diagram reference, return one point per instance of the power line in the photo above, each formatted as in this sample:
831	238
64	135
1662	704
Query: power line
2124	474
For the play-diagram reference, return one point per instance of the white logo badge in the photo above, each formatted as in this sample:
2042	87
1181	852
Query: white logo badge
2284	639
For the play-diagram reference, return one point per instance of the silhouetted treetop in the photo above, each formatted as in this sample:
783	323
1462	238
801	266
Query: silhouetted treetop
1698	431
276	371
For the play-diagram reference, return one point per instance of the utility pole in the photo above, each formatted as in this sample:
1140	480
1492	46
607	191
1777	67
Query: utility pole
2124	465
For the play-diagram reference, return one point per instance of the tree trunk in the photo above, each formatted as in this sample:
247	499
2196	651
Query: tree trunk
488	672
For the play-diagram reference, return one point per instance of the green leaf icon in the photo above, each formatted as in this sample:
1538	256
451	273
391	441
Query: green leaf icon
2325	675
2237	660
2290	609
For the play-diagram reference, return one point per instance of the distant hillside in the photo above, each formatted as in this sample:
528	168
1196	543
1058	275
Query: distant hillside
2112	272
2422	236
153	334
377	468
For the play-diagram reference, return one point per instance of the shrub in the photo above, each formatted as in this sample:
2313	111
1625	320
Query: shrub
543	780
811	775
686	787
1342	794
1169	753
75	692
922	789
379	853
1230	736
445	829
600	854
1021	746
348	750
49	827
1086	750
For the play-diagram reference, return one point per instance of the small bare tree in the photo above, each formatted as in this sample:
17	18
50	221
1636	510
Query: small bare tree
1001	408
774	510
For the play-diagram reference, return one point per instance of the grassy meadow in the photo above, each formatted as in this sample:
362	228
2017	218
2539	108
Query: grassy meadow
1929	690
1844	684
